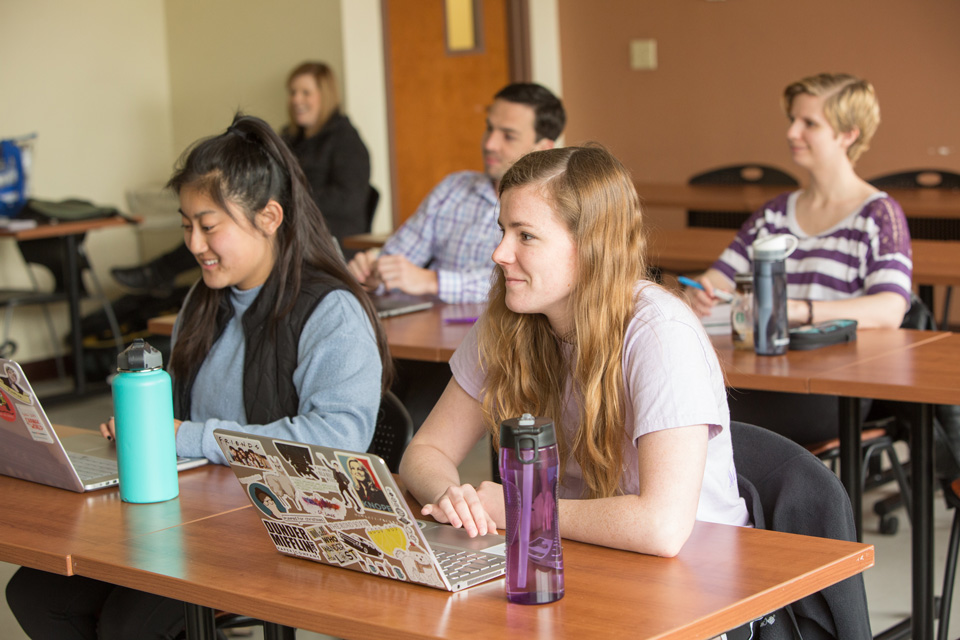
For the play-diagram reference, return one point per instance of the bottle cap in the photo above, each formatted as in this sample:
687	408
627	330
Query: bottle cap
139	356
743	278
775	247
527	432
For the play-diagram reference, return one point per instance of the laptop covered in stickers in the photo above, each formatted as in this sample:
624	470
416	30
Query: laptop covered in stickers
344	509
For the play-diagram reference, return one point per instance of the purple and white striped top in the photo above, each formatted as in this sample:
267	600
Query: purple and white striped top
454	231
866	253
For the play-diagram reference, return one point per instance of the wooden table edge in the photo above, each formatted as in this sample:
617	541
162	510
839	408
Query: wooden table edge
860	558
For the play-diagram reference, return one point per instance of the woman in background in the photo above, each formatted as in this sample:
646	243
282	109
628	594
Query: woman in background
331	153
853	259
333	159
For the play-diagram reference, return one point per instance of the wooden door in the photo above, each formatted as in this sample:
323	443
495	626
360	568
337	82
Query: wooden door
437	100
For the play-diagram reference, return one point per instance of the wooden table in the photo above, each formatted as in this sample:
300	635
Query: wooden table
926	374
70	234
884	364
429	335
424	335
723	577
695	249
31	536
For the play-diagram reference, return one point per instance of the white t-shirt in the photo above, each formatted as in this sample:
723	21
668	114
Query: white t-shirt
672	379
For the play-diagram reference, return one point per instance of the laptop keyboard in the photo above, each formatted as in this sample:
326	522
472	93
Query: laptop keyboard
91	467
458	565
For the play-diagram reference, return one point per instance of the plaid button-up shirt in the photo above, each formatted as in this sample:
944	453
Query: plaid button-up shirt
454	232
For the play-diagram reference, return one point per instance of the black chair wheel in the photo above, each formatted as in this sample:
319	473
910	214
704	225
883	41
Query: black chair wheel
889	525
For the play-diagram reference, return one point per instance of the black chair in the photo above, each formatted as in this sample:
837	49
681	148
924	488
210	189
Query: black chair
788	489
49	253
394	431
373	199
735	175
951	493
927	228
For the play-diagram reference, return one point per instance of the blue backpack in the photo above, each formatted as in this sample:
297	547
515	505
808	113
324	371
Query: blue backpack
14	166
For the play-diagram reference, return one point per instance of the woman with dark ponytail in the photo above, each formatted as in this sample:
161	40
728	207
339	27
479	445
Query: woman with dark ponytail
277	338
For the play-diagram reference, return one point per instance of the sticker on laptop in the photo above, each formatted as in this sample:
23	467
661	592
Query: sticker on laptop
35	424
8	411
292	538
10	382
365	482
344	485
332	548
266	500
388	538
246	453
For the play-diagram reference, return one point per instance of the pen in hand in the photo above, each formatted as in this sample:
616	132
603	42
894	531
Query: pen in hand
719	294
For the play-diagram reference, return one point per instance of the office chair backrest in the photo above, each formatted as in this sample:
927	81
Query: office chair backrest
789	489
918	179
393	432
745	174
373	199
918	316
733	175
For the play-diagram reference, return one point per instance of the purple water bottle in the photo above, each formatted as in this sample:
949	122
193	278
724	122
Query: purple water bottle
530	467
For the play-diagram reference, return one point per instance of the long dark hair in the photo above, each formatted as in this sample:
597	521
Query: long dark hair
249	165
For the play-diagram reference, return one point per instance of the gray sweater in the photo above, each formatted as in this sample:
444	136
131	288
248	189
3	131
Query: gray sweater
337	378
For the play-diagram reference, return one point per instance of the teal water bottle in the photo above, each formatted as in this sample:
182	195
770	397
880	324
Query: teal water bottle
143	414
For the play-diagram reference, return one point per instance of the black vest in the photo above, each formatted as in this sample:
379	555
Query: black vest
270	355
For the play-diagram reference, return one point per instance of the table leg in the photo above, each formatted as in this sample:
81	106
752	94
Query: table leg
921	478
925	293
274	631
71	274
200	622
851	460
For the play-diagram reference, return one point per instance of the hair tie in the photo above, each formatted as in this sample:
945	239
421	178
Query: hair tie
238	132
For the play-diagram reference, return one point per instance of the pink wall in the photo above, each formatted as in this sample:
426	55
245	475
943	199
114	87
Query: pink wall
722	65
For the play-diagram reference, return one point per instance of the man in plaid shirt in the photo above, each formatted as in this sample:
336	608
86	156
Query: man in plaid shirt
445	248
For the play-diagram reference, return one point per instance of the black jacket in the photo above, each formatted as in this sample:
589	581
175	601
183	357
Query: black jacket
337	167
270	355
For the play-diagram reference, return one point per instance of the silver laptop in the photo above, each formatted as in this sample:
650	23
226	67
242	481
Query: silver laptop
396	303
30	449
344	509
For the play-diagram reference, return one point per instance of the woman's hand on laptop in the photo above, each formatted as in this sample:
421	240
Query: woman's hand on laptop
476	510
108	429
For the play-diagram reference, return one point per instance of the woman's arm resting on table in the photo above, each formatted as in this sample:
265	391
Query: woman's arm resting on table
659	520
883	310
429	465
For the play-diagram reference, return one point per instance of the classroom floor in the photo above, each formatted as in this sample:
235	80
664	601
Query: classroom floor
887	583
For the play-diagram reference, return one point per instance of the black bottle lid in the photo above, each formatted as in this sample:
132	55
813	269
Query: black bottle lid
139	356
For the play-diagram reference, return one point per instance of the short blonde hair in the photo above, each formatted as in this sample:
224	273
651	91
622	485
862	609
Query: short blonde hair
850	103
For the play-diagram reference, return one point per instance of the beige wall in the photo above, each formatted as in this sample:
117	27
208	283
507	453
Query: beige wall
366	97
226	55
91	79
